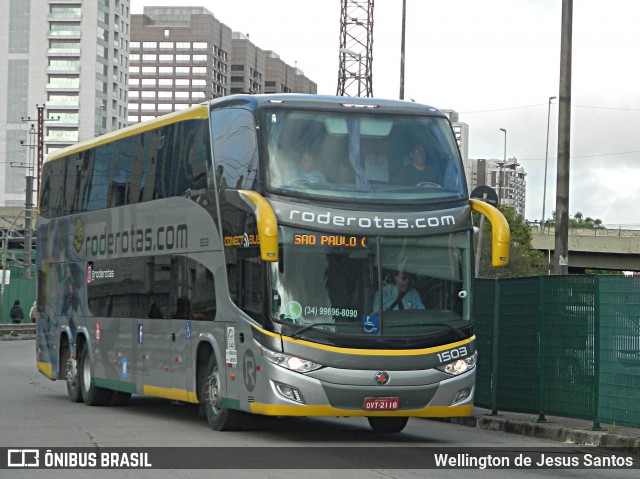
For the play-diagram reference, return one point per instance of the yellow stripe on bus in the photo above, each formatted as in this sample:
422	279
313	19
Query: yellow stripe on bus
45	368
305	410
369	352
381	352
171	393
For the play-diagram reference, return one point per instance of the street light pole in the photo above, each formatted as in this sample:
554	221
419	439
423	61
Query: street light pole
504	160
546	160
404	20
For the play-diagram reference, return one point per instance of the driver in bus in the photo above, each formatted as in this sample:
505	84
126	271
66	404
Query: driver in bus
398	293
307	170
417	172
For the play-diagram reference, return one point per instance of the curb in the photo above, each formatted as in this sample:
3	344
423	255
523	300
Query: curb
15	336
552	432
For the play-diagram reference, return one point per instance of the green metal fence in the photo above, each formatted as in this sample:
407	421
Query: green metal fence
561	345
18	288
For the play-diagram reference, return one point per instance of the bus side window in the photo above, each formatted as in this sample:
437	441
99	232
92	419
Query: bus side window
202	292
235	148
251	295
105	157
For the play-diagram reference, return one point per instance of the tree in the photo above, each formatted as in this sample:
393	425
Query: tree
523	259
578	220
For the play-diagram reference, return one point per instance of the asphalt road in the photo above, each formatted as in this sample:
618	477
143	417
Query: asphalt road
35	413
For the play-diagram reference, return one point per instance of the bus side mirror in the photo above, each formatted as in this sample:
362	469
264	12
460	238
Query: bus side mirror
500	237
267	225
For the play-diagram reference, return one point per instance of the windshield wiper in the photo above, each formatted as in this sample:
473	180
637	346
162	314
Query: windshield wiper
458	332
311	326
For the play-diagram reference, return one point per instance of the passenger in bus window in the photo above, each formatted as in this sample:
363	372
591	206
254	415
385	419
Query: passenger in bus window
183	309
154	312
418	172
398	293
308	171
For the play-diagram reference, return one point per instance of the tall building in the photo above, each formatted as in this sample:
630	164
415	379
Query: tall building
506	178
181	56
258	71
283	78
247	65
461	131
70	56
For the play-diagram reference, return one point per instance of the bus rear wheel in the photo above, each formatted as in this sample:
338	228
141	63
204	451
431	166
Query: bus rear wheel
69	371
387	425
92	395
219	417
73	380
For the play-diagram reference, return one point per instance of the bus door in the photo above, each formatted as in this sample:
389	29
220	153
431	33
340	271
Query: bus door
160	330
156	342
181	364
187	310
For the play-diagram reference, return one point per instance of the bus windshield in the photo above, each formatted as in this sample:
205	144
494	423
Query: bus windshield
367	285
355	155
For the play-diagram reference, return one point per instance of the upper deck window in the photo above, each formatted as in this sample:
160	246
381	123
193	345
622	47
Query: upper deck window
355	155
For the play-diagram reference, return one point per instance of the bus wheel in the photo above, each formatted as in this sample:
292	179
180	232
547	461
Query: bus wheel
73	380
388	424
69	371
219	417
92	395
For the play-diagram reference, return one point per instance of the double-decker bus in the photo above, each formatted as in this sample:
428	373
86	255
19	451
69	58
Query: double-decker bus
279	255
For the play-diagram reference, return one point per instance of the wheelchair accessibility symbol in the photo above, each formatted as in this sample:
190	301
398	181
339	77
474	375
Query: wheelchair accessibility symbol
371	324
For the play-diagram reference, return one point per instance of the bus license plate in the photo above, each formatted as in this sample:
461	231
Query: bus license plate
381	404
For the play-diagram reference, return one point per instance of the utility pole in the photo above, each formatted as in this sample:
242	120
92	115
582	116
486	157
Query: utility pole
40	147
546	161
404	21
561	251
30	165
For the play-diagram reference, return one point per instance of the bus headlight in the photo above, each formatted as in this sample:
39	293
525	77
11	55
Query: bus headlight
459	366
293	363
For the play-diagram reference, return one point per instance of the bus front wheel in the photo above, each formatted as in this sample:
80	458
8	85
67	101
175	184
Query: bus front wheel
92	395
219	417
387	425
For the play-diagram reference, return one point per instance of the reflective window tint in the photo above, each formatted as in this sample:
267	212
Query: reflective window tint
235	148
154	287
168	161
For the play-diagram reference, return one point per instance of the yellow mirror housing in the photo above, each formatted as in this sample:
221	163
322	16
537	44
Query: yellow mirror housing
267	225
500	237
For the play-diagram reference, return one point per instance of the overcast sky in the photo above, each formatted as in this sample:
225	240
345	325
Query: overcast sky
496	62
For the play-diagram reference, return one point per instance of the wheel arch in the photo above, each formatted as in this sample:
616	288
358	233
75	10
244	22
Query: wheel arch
206	347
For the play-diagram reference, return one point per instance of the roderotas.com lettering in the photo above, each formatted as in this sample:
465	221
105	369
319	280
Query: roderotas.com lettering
376	221
134	240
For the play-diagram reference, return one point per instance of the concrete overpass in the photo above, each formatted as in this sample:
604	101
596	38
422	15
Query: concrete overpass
614	249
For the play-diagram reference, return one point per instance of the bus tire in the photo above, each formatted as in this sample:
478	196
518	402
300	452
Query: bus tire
92	395
387	425
73	380
70	372
219	417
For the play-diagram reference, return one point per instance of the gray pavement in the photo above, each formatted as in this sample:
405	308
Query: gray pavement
561	429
